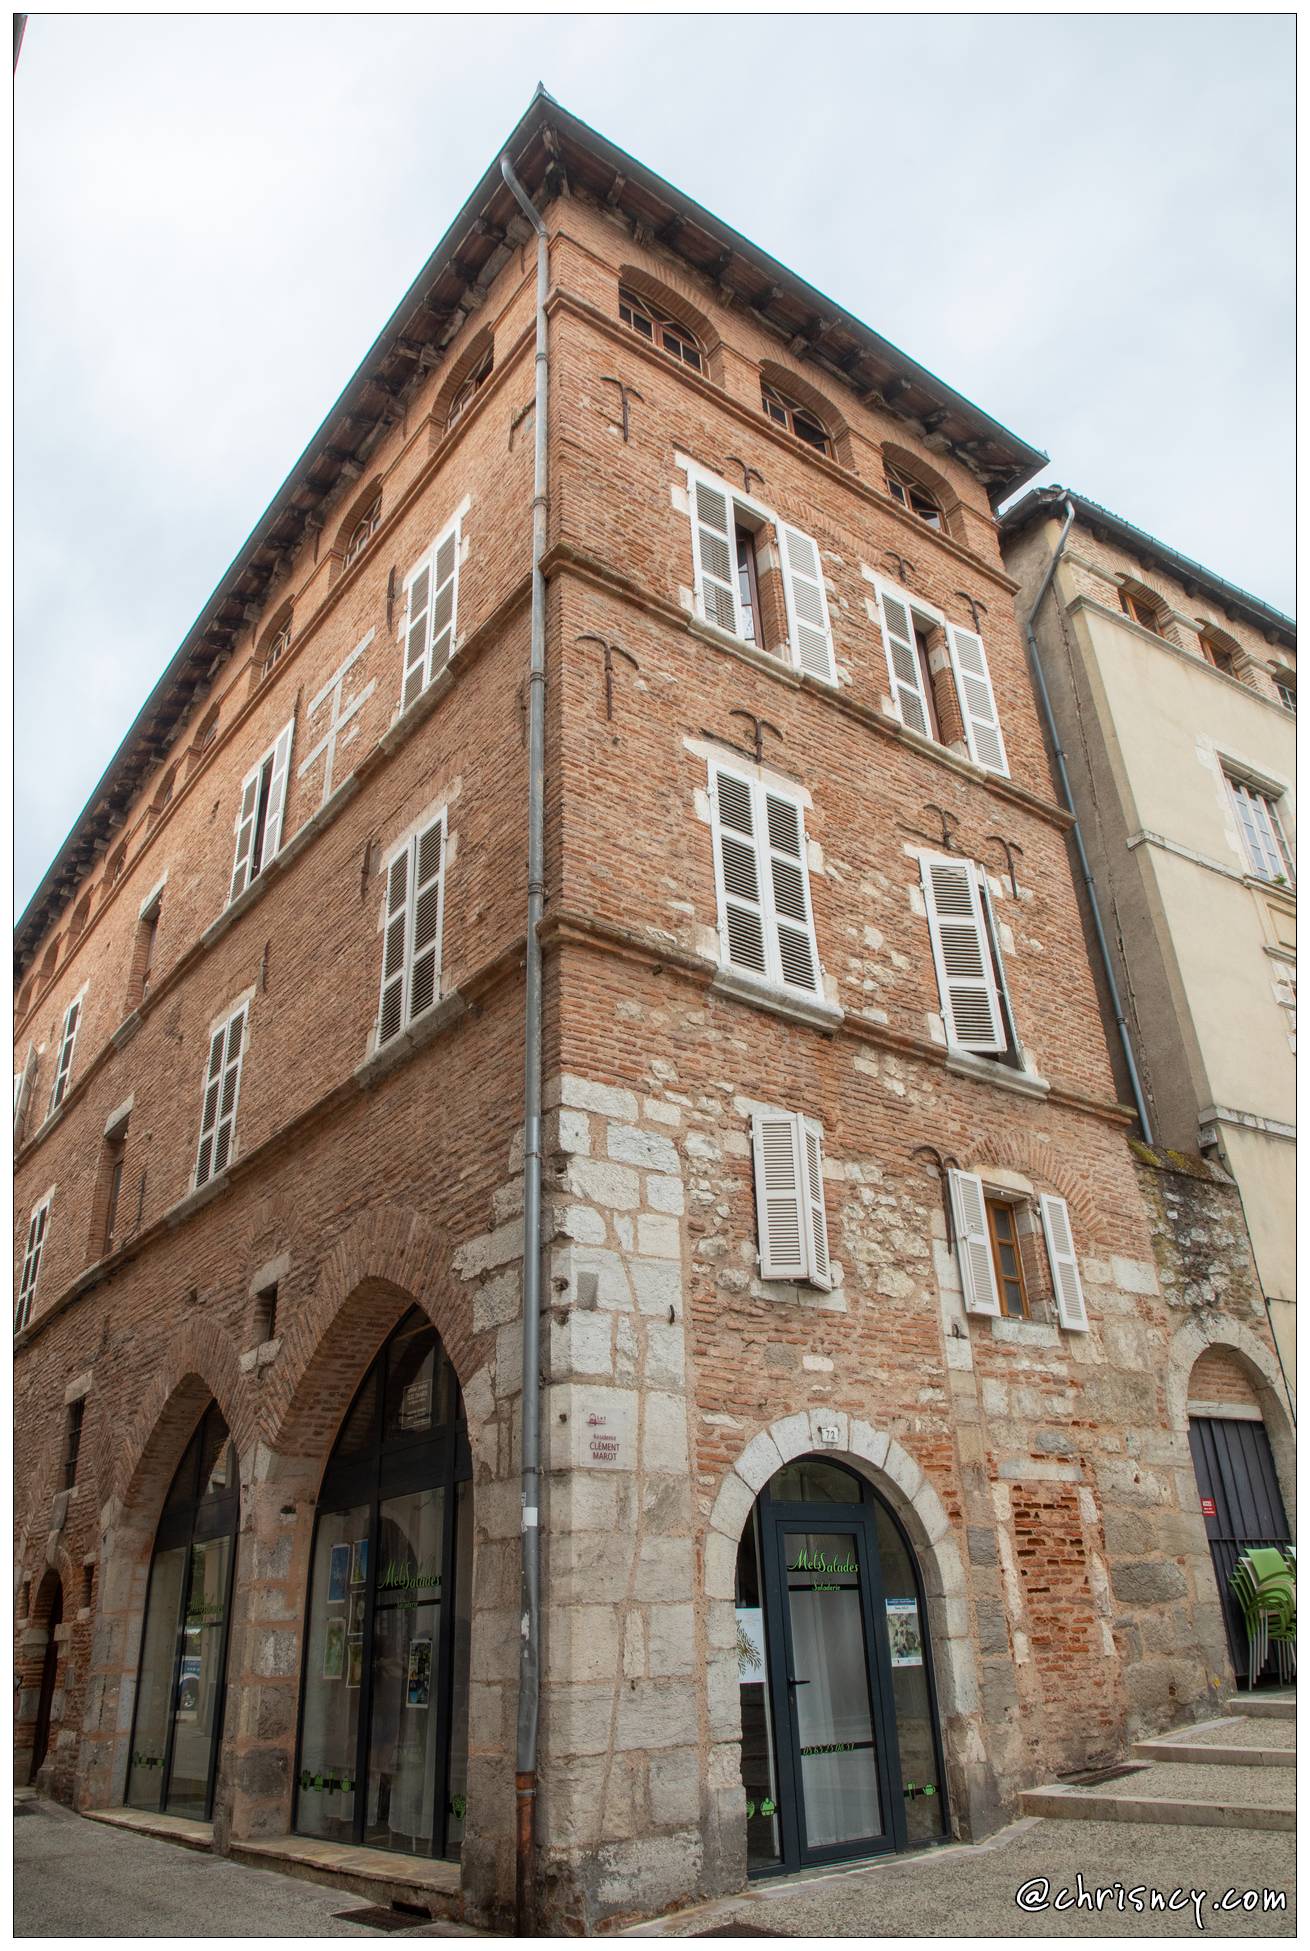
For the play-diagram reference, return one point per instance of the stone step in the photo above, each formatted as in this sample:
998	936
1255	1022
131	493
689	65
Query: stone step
1085	1805
1268	1707
1213	1753
383	1876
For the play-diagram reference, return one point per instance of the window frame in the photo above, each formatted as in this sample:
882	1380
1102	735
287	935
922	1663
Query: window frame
74	1417
993	1204
451	532
773	975
470	386
662	324
270	772
369	522
211	1124
38	1226
772	397
800	1190
1245	793
901	486
812	659
992	978
410	848
67	1046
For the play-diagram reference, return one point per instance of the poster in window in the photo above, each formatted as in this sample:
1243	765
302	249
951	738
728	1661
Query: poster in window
359	1562
418	1686
357	1600
334	1648
416	1403
750	1646
338	1562
354	1660
903	1632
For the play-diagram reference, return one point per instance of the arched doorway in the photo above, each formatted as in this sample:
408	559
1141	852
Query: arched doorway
49	1673
182	1685
841	1755
383	1738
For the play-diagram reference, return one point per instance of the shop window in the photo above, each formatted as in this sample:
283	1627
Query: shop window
383	1752
911	494
797	419
179	1700
1264	842
658	328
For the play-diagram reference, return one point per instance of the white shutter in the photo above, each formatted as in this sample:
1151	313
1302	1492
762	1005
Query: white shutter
67	1041
395	948
210	1089
418	596
277	794
31	1265
807	605
816	1212
245	831
425	955
977	1274
1009	1021
780	1199
218	1104
1064	1263
445	590
736	866
789	890
904	672
714	555
982	727
971	1004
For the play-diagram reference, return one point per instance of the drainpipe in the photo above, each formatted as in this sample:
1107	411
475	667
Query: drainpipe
1084	865
525	1761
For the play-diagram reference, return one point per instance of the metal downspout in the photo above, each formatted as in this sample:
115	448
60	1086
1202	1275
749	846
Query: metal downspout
525	1761
1084	865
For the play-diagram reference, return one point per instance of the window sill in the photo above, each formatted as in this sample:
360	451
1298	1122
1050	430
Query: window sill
381	1063
766	660
1024	1333
989	1070
813	1010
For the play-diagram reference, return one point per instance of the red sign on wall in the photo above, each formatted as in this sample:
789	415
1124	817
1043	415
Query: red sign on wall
1207	1507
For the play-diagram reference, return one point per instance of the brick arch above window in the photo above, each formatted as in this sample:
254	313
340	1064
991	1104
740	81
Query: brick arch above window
358	526
50	960
911	481
469	373
666	301
1145	606
794	392
1219	649
271	645
81	915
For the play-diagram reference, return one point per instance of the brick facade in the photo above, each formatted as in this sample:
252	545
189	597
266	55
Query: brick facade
1042	1476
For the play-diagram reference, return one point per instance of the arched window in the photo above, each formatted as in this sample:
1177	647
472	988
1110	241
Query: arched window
24	998
115	866
913	495
50	960
1143	606
80	915
480	374
356	542
163	792
383	1754
1220	649
795	418
655	325
179	1700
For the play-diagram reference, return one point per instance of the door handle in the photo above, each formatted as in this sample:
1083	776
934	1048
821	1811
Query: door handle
792	1681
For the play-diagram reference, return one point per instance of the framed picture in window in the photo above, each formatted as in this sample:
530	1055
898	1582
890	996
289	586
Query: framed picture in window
359	1562
334	1648
418	1684
338	1563
354	1660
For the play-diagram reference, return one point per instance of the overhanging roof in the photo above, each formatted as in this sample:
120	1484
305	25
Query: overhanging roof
1041	504
553	152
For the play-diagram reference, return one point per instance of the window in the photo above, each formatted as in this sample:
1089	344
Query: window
431	609
218	1102
143	953
905	646
411	937
36	1231
985	1290
970	978
1142	607
656	325
72	1441
281	639
163	793
795	418
114	870
1002	1228
356	542
1286	690
1268	856
766	926
67	1042
1220	650
79	920
206	734
464	395
108	1189
789	1204
901	487
727	532
259	815
266	1313
23	1082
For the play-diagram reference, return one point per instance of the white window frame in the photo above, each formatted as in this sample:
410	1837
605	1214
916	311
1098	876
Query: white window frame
926	613
794	1142
761	792
211	1123
37	1228
992	982
1260	828
410	847
973	1244
427	562
259	819
67	1046
821	665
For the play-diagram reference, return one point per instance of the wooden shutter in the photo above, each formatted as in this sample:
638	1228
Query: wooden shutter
247	815
31	1265
807	605
789	888
418	603
23	1082
395	948
425	955
225	1129
816	1212
209	1106
736	859
714	555
977	1274
68	1038
982	727
445	590
1065	1277
277	794
971	1004
904	672
780	1197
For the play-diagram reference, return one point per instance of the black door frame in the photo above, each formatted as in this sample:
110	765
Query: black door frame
775	1519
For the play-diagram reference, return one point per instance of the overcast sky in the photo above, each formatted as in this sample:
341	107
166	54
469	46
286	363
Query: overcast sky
1082	224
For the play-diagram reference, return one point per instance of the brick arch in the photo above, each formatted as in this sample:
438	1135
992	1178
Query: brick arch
200	1364
1037	1159
1206	1332
917	469
675	296
791	381
466	361
388	1260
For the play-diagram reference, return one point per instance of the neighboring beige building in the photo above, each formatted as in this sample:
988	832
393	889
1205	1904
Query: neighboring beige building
1175	698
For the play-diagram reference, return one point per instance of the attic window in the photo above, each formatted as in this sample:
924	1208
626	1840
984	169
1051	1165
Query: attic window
1220	650
360	537
1286	690
464	396
280	643
1142	606
796	419
901	487
655	325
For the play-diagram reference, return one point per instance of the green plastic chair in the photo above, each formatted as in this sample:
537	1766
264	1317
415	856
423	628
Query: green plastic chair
1265	1588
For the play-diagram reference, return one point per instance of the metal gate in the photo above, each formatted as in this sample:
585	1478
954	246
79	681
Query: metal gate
1241	1504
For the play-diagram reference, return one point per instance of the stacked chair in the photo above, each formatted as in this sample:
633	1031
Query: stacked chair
1264	1584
